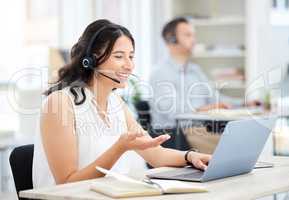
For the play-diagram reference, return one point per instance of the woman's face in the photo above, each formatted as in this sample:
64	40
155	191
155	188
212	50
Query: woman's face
120	63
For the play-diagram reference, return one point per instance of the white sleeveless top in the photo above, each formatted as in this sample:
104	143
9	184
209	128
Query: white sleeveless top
94	137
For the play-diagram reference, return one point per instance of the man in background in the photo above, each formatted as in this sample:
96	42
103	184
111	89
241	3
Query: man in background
180	86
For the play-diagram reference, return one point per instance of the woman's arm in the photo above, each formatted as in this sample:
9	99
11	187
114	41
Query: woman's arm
160	156
60	143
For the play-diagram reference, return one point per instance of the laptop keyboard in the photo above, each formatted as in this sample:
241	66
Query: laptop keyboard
187	173
191	175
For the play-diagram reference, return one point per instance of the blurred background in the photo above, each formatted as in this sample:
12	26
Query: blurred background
244	42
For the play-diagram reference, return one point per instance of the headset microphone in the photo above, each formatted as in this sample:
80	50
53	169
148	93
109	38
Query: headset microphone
89	61
113	79
136	76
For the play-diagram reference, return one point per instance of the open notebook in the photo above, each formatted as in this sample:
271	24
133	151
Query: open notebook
118	186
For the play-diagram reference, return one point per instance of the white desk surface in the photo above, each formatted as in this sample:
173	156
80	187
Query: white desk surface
256	184
215	117
198	116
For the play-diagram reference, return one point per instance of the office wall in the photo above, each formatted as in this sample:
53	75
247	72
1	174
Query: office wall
12	15
75	15
268	45
267	51
161	14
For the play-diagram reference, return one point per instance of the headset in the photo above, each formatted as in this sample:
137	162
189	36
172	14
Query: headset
89	61
172	39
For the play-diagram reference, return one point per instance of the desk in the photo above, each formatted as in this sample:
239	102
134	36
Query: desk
258	183
222	115
217	122
203	130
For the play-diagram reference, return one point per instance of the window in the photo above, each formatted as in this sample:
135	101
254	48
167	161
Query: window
280	13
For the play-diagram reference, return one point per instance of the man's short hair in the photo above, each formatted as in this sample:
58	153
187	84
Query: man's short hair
169	30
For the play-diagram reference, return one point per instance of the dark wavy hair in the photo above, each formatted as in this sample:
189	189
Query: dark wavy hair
73	74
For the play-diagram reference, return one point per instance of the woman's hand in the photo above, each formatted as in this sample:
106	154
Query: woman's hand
140	141
199	160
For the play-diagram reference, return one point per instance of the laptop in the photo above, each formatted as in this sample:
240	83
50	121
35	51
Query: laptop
236	153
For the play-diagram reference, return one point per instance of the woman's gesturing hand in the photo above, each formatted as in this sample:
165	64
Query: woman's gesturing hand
140	141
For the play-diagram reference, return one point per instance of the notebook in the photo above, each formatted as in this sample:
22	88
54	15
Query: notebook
120	186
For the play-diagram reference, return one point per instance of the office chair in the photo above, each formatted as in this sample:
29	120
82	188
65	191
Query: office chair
21	159
143	113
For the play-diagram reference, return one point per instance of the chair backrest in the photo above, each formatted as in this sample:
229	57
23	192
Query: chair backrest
21	159
144	115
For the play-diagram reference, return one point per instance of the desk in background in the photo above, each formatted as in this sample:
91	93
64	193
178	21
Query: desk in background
203	130
256	184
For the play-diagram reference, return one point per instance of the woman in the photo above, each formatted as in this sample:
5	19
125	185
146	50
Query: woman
84	123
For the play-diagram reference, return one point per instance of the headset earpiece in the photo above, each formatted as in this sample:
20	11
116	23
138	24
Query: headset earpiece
88	62
172	39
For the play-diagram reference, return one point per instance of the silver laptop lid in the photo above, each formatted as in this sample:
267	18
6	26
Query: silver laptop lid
239	147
